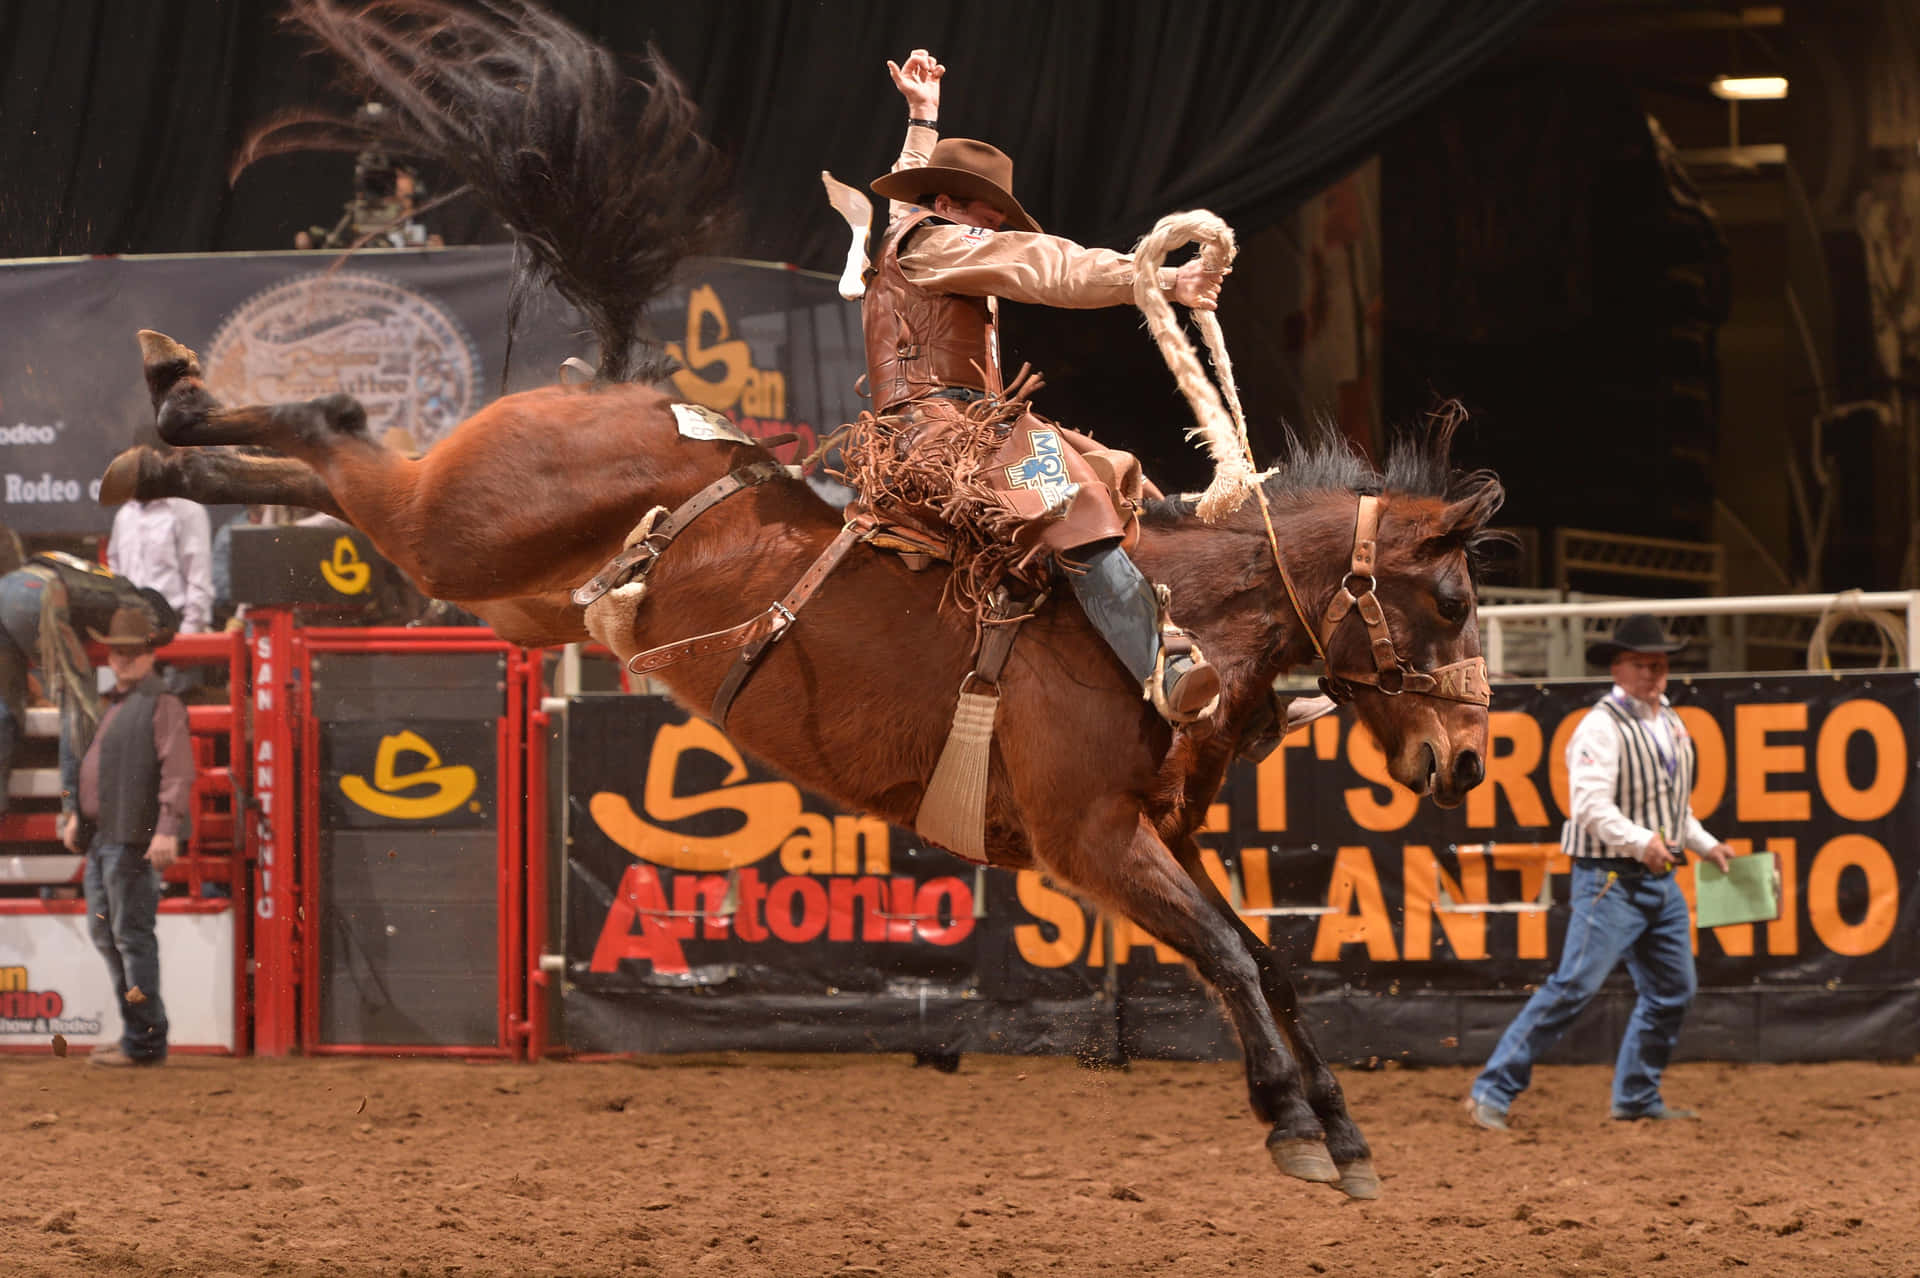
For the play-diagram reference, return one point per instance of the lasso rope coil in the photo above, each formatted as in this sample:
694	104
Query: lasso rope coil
1222	425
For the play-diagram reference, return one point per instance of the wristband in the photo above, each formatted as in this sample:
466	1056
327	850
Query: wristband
912	123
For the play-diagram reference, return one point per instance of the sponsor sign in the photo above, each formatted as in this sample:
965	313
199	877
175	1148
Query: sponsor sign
694	864
52	980
417	336
391	773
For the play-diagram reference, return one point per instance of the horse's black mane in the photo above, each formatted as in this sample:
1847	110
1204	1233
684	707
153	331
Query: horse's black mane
1419	464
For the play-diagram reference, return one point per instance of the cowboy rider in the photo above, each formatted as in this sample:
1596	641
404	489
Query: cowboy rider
957	241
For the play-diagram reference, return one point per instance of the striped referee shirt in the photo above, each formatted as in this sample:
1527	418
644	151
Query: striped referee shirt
1630	768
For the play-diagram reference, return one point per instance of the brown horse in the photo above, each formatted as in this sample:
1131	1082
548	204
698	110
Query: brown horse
529	496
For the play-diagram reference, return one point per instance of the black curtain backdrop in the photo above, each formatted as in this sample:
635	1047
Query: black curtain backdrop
118	117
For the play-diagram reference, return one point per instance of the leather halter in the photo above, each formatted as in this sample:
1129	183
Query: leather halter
1392	674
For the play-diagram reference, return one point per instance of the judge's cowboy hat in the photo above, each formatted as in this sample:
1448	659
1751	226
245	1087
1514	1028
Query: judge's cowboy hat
1640	632
131	627
965	170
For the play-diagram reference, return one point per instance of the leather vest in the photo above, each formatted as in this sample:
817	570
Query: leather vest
130	769
919	341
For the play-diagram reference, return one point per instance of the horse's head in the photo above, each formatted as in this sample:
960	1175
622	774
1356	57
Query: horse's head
1423	697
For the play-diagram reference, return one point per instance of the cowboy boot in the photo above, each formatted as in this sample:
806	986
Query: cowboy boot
1132	617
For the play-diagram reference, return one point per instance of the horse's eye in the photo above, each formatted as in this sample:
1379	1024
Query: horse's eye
1452	607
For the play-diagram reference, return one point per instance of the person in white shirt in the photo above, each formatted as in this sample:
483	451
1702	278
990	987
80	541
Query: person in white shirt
1630	768
167	544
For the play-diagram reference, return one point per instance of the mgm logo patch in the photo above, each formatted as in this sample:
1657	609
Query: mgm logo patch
1043	469
404	356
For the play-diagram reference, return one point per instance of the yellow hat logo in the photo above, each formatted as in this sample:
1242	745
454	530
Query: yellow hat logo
346	572
451	785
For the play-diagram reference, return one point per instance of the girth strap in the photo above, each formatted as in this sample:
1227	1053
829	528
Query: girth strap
637	558
753	637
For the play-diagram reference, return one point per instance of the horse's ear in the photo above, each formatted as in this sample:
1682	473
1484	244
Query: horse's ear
1460	520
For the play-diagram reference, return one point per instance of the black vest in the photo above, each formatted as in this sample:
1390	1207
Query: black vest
130	769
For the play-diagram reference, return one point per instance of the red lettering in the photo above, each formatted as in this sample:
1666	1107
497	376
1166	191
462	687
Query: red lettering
640	902
813	908
704	895
746	921
953	898
842	894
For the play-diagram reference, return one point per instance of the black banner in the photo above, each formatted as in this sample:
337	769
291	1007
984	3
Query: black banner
418	336
1414	933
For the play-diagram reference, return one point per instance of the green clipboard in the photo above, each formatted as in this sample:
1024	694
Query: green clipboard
1749	891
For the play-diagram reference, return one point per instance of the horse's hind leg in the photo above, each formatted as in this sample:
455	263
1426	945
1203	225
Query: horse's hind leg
371	486
217	475
1347	1147
1145	883
188	415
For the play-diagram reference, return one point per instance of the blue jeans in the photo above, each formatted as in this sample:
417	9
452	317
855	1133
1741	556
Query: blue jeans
123	902
1642	918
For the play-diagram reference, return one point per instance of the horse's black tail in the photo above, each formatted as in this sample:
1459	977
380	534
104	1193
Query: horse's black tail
603	177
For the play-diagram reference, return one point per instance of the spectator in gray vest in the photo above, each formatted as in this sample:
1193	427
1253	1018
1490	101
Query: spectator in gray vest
1630	767
134	786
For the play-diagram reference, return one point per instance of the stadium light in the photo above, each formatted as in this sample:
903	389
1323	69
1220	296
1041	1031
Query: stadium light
1748	88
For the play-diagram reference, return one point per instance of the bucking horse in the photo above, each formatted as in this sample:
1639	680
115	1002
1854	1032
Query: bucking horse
608	186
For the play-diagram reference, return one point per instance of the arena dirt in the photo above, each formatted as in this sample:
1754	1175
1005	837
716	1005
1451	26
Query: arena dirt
864	1166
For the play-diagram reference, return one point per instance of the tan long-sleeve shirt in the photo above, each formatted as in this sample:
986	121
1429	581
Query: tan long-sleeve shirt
1020	266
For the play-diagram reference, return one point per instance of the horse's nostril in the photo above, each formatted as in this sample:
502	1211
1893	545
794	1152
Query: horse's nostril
1468	770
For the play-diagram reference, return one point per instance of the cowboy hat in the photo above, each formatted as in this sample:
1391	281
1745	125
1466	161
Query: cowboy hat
965	170
131	627
1641	632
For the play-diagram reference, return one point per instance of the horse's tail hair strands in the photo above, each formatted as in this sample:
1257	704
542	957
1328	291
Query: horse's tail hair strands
603	177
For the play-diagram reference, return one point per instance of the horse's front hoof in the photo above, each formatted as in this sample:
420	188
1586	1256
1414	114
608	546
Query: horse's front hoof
121	483
1303	1159
1358	1179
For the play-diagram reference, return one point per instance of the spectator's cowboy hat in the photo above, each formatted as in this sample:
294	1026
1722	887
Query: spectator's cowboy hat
131	627
965	170
1641	632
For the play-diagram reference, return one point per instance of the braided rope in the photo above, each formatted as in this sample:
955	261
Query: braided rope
1223	426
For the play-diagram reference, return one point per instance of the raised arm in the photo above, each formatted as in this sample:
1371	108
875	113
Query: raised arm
919	83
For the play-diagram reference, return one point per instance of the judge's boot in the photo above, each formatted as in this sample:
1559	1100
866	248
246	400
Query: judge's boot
1132	617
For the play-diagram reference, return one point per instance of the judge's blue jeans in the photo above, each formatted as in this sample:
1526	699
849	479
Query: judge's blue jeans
123	904
1641	918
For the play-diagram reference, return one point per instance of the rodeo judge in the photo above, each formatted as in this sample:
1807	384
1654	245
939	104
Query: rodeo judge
1630	769
958	241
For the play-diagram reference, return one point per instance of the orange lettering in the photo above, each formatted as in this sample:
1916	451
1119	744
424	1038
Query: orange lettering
1783	934
1557	760
1535	862
1889	760
1258	883
1755	761
1054	909
1421	876
1270	780
1853	851
1511	772
1368	812
1354	882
